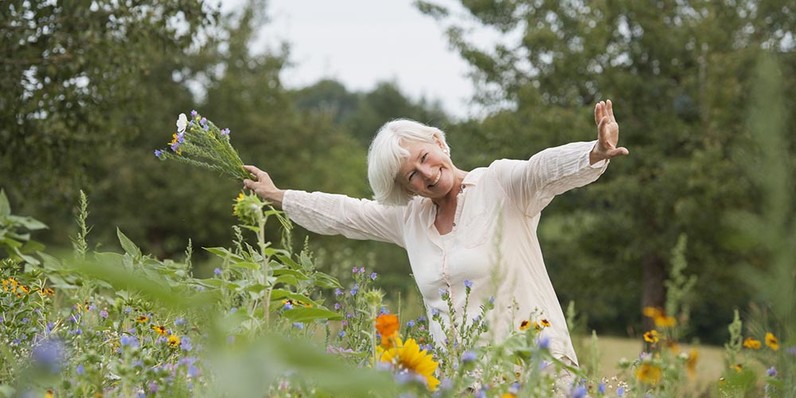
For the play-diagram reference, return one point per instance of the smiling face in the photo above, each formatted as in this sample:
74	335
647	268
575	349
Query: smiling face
427	171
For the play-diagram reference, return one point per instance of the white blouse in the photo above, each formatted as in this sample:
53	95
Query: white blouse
493	244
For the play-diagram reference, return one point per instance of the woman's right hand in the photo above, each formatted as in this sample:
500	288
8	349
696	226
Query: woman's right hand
263	186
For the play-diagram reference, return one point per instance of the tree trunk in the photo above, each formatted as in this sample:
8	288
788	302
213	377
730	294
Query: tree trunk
653	292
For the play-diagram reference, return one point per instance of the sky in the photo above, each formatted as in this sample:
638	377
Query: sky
361	43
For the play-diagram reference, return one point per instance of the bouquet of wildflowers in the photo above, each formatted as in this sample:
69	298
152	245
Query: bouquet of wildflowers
200	143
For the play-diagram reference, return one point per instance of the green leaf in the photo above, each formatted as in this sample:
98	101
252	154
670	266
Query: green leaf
245	265
128	245
301	314
28	222
5	207
223	253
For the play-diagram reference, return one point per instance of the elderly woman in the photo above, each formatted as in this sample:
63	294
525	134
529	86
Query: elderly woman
459	226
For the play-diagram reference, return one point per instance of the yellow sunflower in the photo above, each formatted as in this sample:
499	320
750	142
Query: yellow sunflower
752	343
772	341
407	356
652	336
649	373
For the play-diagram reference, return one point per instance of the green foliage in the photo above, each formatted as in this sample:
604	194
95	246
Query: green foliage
71	89
15	242
680	77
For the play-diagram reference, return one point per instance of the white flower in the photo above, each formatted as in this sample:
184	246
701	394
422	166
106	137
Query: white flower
182	123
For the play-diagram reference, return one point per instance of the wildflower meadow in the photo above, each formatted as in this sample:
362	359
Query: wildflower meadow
268	322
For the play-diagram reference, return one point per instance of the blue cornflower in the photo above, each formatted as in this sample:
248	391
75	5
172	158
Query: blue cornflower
225	132
601	388
203	122
193	371
469	356
338	292
185	344
373	276
341	334
217	271
338	306
49	355
103	314
772	371
361	270
194	113
80	369
468	283
544	342
579	392
158	153
410	324
620	392
287	306
354	290
298	325
128	341
179	321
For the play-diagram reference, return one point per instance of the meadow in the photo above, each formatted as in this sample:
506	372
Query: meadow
268	323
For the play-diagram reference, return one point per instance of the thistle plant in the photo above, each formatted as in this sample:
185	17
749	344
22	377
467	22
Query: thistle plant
199	142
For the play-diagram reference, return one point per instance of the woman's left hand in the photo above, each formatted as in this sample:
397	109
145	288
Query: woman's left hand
607	134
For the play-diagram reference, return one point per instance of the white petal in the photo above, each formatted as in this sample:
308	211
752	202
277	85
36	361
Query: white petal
182	123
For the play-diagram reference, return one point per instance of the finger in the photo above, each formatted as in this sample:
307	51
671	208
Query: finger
609	109
597	114
621	151
601	127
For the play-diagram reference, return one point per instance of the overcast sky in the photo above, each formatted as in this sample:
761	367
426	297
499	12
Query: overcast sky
363	42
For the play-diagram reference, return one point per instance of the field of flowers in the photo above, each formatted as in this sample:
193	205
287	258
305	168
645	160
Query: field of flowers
268	323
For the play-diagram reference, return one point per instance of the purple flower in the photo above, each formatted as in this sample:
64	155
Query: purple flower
179	321
128	310
193	371
298	325
217	271
354	270
338	292
411	323
103	314
341	334
80	369
194	113
544	342
158	153
225	132
354	290
772	372
443	293
47	329
337	306
203	122
468	283
579	392
601	388
620	392
361	270
469	356
49	355
153	387
287	306
175	146
185	344
128	341
373	276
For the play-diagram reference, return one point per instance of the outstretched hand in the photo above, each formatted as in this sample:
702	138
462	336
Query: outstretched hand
263	186
607	133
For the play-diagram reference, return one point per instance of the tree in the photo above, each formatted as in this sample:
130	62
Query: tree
678	74
70	89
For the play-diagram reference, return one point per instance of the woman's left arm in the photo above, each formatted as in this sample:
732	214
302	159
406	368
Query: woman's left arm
607	134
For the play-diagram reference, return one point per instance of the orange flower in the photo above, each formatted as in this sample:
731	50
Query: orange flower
771	341
752	343
387	326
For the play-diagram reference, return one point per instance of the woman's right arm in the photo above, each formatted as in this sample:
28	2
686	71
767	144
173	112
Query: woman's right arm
263	186
332	214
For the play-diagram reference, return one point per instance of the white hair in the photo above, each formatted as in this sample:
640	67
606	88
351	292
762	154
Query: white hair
387	152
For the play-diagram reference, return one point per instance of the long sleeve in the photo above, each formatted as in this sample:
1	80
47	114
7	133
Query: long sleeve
332	214
534	182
